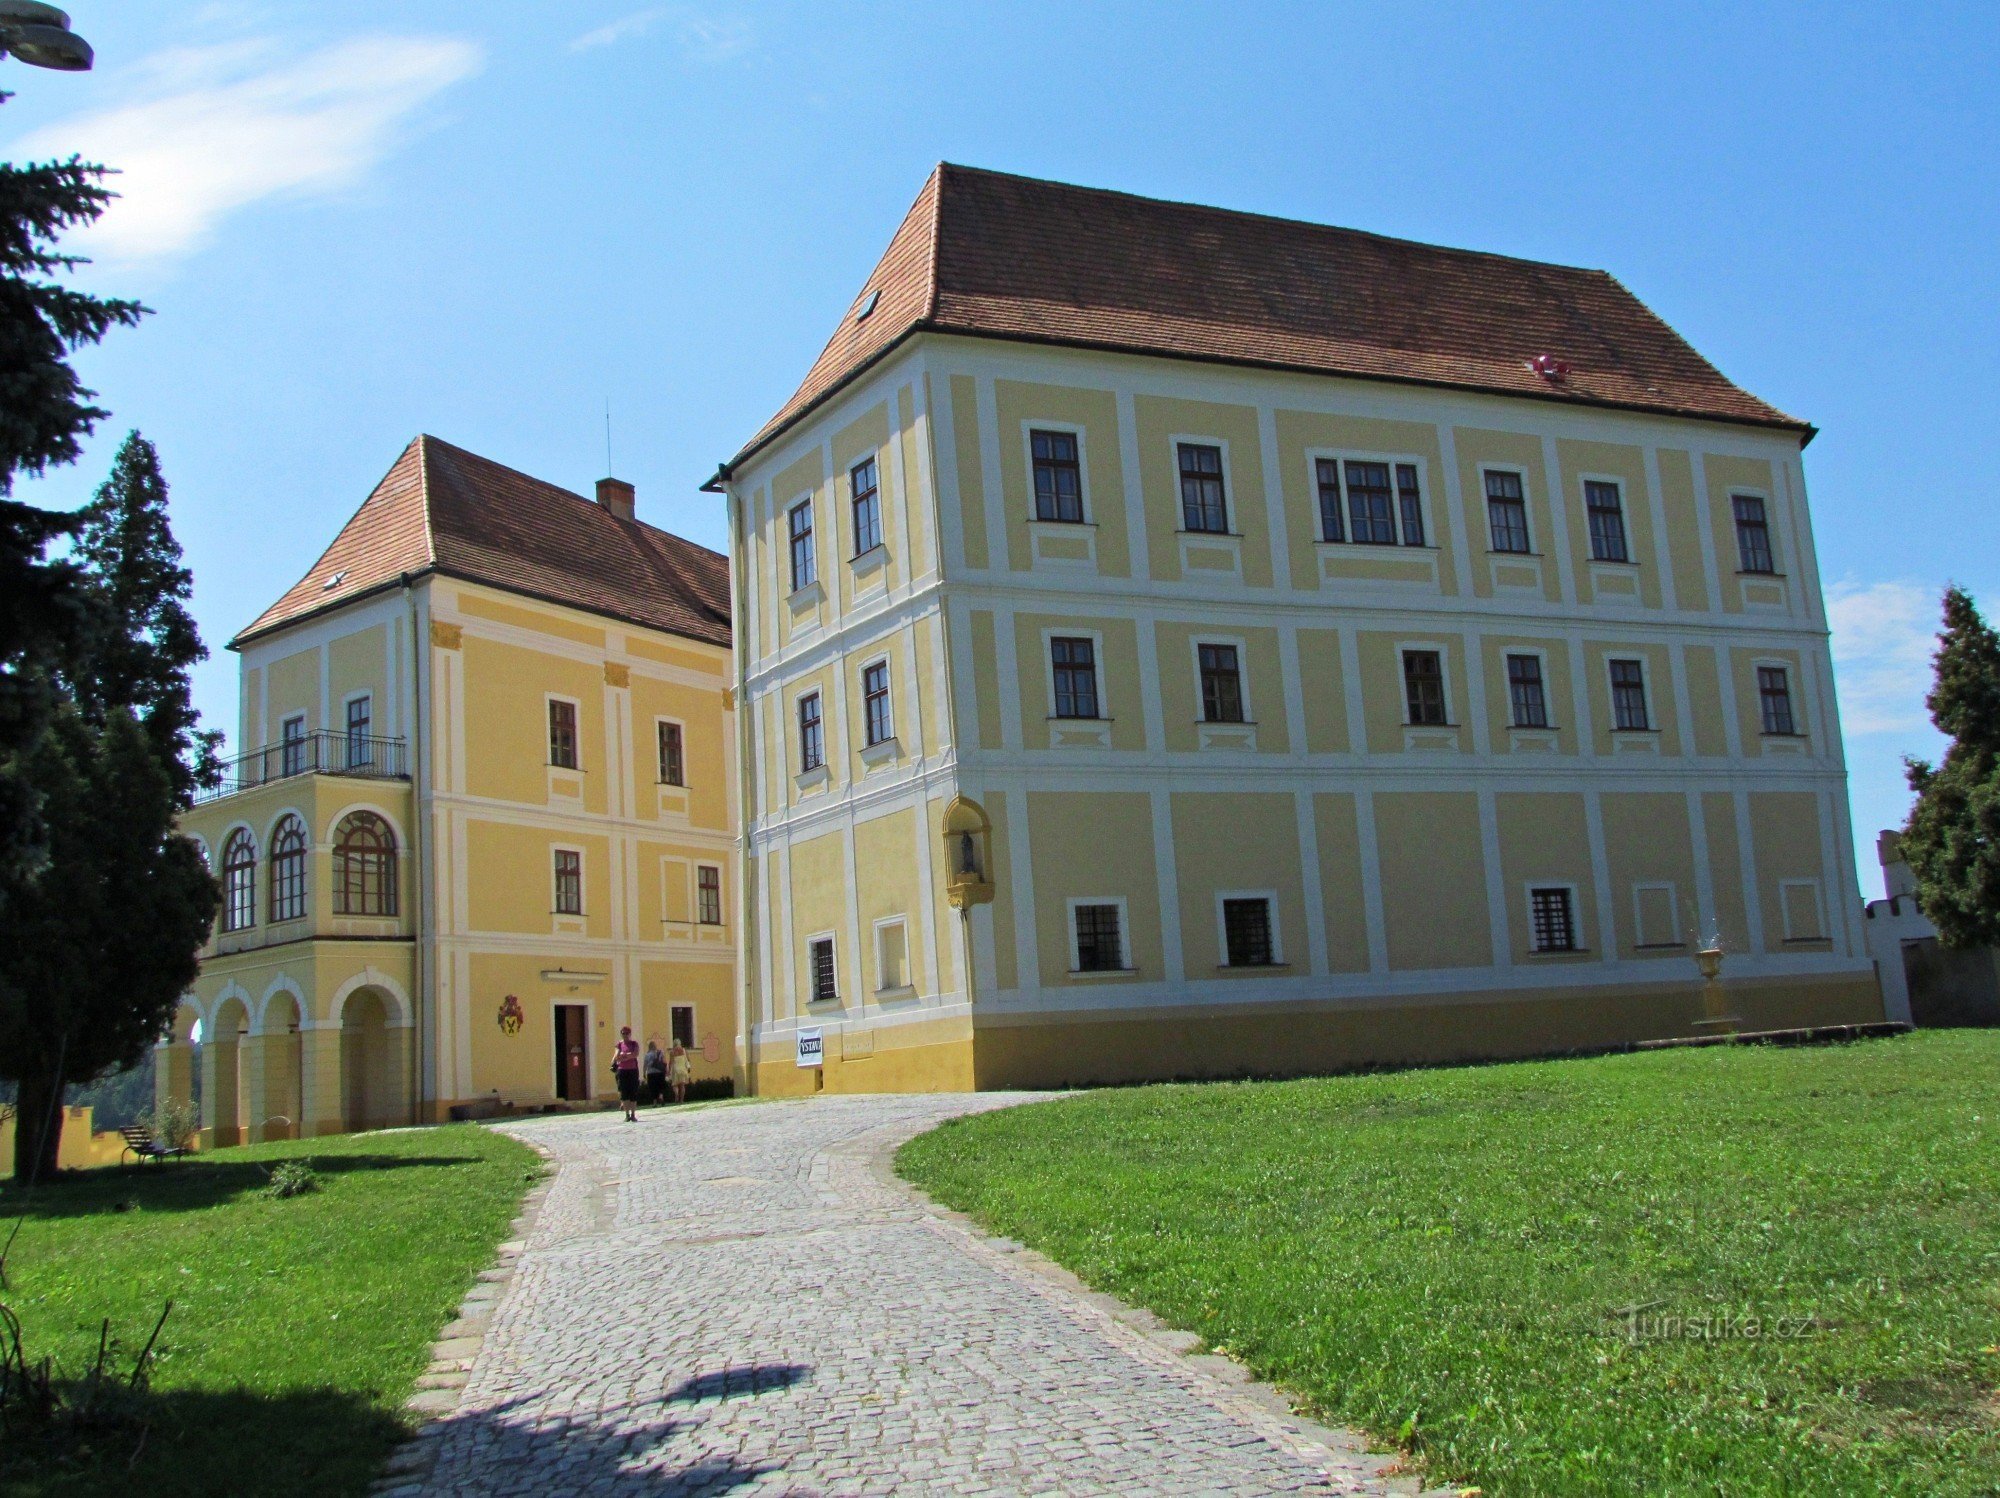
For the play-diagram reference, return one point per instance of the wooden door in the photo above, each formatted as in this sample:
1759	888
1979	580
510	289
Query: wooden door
572	1052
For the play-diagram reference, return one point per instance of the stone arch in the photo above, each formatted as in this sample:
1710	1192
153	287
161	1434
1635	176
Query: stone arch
283	983
401	1014
276	1077
175	1075
225	1100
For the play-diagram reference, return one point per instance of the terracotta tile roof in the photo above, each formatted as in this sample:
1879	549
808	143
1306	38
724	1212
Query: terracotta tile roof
992	255
443	509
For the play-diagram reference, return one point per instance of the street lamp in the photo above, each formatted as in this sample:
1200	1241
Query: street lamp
40	36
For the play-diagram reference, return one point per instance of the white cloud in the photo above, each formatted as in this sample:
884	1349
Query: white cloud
218	128
704	38
1883	637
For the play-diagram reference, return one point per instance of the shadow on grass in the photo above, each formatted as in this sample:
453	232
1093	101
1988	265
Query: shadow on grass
188	1185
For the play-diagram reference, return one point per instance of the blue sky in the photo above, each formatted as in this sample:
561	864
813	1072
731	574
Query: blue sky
486	220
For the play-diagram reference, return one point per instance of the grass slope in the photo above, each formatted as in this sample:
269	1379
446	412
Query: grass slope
299	1326
1442	1257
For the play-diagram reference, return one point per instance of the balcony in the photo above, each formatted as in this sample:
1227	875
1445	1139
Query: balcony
357	755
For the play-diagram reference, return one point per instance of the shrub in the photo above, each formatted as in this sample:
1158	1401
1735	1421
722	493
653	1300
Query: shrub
175	1122
293	1178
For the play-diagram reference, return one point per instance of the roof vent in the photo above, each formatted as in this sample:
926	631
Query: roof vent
619	497
333	582
1550	368
867	305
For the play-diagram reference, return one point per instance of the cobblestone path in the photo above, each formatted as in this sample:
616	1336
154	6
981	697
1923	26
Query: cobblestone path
742	1299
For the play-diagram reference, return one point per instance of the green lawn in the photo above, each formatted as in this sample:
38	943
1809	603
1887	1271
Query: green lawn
1442	1257
299	1326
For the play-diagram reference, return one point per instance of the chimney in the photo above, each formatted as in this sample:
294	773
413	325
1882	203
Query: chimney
619	497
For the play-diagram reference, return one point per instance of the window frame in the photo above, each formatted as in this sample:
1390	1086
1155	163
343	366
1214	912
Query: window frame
1030	430
879	929
804	565
1223	899
1541	659
289	878
1763	524
660	727
349	739
1784	672
346	884
1404	651
812	737
1240	649
239	879
1342	533
557	852
1489	472
1616	512
1115	902
871	698
551	701
1220	447
814	942
292	749
674	1013
1095	640
1646	723
1572	914
872	498
702	892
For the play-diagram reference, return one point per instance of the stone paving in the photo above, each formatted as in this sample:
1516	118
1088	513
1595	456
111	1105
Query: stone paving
744	1299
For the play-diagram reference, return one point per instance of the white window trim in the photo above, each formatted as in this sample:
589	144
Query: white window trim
1230	517
1540	653
1342	454
658	721
693	1015
794	589
1630	653
1270	897
1527	508
589	1008
1624	516
1216	637
1577	931
864	561
548	745
1030	426
721	896
811	1000
889	746
1793	677
801	771
1050	635
1442	650
906	987
1819	910
1639	932
1076	968
582	912
1780	563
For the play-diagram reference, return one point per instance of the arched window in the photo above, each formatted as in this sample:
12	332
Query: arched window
288	870
364	866
239	881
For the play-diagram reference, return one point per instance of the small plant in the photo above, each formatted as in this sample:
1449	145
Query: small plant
174	1122
292	1178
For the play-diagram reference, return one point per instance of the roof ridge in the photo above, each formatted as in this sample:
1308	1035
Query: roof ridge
423	445
937	239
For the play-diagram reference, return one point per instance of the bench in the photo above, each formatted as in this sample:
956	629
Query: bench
139	1141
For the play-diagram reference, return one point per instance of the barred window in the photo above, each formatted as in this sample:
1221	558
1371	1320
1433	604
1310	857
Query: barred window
1100	946
1221	684
1074	665
562	734
1058	476
569	881
239	881
875	701
1204	505
812	742
799	525
1246	927
1423	687
1524	691
1753	534
1553	925
1607	522
867	492
1507	512
364	866
288	870
708	894
824	990
1628	695
673	758
1774	692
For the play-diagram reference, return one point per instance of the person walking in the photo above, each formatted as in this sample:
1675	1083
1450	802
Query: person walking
680	1067
625	1067
656	1071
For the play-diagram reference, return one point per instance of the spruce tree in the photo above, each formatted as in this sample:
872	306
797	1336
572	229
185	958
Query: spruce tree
1952	839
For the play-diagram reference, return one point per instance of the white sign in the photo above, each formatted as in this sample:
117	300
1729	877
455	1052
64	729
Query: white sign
811	1047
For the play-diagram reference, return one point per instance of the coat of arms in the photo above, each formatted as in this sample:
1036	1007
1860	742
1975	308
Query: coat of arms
510	1016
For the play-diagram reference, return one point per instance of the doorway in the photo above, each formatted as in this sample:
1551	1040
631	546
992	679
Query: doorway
573	1052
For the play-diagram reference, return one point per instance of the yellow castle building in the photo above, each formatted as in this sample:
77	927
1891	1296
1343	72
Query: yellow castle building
489	819
1177	642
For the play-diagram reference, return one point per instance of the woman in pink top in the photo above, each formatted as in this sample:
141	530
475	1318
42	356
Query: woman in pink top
625	1067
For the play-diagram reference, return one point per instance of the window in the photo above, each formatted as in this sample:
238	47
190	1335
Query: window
1203	504
1423	687
1552	924
680	1023
823	988
1328	470
288	870
360	747
292	742
673	760
892	963
1774	692
569	881
364	866
1058	476
1246	931
1753	534
1074	663
1221	684
1628	695
1607	522
1506	512
1372	507
875	702
239	881
867	507
1524	691
1100	945
799	521
708	894
1411	503
562	734
812	742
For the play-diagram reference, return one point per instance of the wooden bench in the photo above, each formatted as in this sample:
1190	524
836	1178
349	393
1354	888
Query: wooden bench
139	1141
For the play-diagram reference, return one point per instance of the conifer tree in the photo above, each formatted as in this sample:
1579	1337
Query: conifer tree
1952	839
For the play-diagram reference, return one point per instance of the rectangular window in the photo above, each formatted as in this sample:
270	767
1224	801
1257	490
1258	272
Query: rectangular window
1774	692
1553	925
708	894
1628	695
875	702
1058	476
1607	522
1100	945
1412	504
1221	684
1204	506
1328	472
680	1019
1753	534
673	761
1423	687
360	747
569	882
292	745
824	990
1370	506
1246	928
1074	664
812	742
562	734
805	568
1507	512
867	506
1524	691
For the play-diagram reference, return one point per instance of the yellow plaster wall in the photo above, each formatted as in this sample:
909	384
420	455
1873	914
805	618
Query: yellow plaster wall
1433	879
885	872
1691	588
1744	662
507	688
294	688
525	904
1229	841
1647	839
1326	689
1598	655
1341	876
1158	421
1729	475
819	892
1180	681
1092	846
971	473
1117	676
1302	432
1718	813
1023	406
1478	447
1544	840
1627	466
867	436
1384	708
1785	842
1705	700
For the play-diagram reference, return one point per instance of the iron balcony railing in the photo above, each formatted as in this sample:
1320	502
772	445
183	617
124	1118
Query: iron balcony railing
324	753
